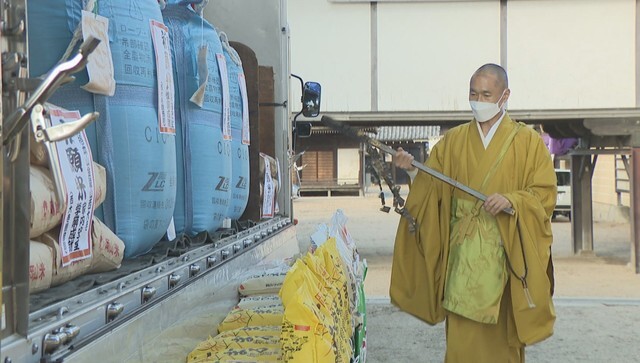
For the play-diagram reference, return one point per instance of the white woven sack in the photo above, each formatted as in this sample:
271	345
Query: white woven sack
46	211
40	266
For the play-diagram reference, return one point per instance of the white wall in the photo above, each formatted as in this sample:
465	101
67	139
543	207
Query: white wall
560	53
331	44
348	166
571	54
428	51
605	200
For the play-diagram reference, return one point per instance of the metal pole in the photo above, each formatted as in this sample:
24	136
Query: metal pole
15	176
581	206
2	304
634	186
363	171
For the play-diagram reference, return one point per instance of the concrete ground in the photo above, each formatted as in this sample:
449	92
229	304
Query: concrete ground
597	296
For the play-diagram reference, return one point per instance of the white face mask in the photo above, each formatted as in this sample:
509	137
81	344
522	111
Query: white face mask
485	111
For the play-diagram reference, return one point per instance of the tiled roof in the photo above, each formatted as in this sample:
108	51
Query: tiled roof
406	133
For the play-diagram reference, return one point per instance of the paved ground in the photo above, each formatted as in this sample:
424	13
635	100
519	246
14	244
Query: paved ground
597	297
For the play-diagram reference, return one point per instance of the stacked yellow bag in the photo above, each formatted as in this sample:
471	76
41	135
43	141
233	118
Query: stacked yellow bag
314	309
245	344
239	318
230	355
251	331
336	266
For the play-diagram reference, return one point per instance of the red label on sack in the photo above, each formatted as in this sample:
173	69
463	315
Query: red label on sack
302	327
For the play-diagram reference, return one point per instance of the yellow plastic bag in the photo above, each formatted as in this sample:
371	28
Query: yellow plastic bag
336	266
301	277
291	283
334	282
239	318
305	335
222	343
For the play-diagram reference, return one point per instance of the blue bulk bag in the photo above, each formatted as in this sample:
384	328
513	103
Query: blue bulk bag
239	149
203	154
126	139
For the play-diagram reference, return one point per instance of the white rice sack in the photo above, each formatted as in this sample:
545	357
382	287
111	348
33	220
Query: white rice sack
40	266
67	273
266	282
46	211
108	249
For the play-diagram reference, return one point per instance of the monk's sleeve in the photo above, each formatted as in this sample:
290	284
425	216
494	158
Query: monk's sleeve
417	272
527	241
537	194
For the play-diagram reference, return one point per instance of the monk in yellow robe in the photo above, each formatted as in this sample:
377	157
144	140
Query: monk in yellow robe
484	271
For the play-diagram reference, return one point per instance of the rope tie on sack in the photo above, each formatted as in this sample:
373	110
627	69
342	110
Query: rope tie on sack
232	52
198	7
90	6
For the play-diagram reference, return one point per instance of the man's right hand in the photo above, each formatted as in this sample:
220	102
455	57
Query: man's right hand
403	160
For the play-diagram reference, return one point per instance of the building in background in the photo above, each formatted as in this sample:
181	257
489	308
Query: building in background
332	164
572	67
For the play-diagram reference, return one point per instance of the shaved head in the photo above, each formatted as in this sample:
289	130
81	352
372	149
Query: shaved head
495	70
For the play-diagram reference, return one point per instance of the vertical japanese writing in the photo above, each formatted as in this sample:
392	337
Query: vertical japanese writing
76	165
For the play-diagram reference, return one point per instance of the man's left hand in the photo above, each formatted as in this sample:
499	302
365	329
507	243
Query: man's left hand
496	203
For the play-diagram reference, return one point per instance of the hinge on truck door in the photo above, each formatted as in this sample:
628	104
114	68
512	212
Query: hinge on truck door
273	104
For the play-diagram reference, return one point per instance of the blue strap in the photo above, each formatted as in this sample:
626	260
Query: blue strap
175	20
105	156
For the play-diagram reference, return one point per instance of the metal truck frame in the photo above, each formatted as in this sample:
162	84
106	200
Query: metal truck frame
87	325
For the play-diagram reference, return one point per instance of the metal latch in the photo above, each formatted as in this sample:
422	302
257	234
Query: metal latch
114	310
59	337
148	292
56	77
194	269
211	261
174	279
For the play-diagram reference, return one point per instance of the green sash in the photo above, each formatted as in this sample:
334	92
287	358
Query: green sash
476	272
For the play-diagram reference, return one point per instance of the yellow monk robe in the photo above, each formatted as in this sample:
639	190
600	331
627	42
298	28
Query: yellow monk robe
526	177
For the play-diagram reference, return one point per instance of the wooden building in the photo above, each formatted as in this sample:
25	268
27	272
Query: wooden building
333	164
